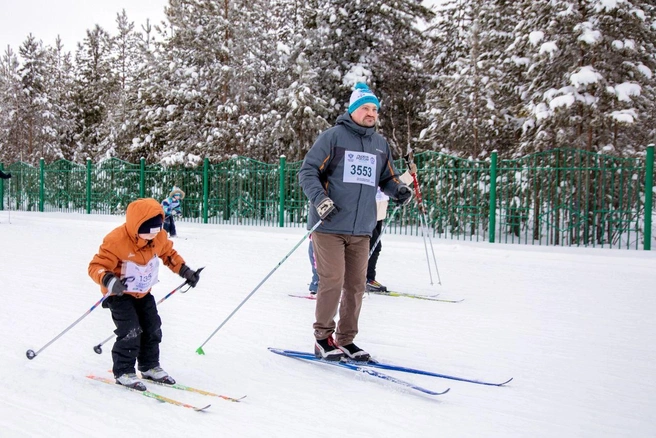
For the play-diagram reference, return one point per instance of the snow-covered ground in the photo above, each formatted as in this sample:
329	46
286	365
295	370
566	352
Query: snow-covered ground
574	327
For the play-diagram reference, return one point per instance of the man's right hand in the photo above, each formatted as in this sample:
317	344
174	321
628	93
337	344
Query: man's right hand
326	209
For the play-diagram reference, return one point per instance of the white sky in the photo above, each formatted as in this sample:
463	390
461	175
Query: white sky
70	19
575	327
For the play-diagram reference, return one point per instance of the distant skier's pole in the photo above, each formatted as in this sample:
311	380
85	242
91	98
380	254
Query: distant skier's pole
424	223
383	230
31	354
98	348
9	199
199	350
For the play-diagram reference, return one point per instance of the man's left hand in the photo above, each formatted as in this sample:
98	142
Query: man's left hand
403	195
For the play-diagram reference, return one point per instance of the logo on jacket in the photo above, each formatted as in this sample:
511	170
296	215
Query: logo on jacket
130	255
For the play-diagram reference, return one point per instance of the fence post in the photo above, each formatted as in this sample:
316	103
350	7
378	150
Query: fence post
493	196
649	193
142	177
206	188
88	185
42	183
281	194
2	189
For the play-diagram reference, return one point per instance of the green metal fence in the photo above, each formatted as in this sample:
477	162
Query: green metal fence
560	197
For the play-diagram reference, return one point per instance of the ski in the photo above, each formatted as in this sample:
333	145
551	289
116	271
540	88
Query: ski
196	390
192	389
385	366
419	297
359	368
149	394
307	297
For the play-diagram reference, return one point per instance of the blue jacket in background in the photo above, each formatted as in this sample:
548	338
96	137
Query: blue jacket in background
171	206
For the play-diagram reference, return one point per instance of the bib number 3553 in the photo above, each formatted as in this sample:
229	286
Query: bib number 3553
360	168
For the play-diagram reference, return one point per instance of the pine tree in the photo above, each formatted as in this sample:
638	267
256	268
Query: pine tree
32	101
591	82
10	101
378	43
130	59
473	101
96	92
298	111
59	117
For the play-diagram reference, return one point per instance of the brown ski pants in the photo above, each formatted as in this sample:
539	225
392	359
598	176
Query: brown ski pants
342	268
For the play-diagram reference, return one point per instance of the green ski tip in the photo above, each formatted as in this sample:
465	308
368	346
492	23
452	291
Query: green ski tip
200	351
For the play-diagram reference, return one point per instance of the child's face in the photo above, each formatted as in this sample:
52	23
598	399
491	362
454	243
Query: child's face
149	236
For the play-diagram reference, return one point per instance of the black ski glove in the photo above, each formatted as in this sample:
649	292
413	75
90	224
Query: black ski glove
113	284
190	275
326	209
403	195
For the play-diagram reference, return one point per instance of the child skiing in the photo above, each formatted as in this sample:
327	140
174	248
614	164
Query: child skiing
126	267
171	206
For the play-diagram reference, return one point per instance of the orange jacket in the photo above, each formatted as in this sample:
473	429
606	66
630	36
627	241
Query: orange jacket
123	244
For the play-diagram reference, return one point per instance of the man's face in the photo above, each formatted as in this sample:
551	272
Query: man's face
366	115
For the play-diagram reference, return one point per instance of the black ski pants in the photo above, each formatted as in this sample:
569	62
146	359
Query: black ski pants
371	266
138	333
169	225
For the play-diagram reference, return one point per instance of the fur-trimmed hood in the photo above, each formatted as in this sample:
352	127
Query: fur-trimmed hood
175	190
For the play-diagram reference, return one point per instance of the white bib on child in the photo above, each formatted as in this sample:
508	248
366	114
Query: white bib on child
360	168
140	278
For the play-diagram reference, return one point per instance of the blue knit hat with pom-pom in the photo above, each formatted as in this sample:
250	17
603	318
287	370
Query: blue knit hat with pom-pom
361	95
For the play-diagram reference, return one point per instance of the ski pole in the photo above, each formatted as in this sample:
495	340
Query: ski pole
424	224
383	230
9	200
31	354
98	348
199	350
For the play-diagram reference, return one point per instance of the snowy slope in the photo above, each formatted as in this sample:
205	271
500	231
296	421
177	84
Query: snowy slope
574	327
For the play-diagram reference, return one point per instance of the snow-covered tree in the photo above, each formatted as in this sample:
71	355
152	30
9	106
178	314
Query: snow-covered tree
591	74
378	43
96	92
474	97
10	103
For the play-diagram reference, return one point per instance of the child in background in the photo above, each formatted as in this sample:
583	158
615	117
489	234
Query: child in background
126	267
314	283
171	206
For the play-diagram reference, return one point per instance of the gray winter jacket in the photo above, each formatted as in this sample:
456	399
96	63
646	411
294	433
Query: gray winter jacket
322	175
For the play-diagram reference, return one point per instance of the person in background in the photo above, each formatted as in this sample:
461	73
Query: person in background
339	176
382	200
126	267
5	175
171	206
314	283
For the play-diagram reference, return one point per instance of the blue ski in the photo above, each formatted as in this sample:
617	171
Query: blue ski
384	366
359	368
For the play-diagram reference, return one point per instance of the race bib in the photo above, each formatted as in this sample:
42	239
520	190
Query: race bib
360	168
140	278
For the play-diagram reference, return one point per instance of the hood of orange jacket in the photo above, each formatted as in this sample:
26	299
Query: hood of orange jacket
140	211
123	244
